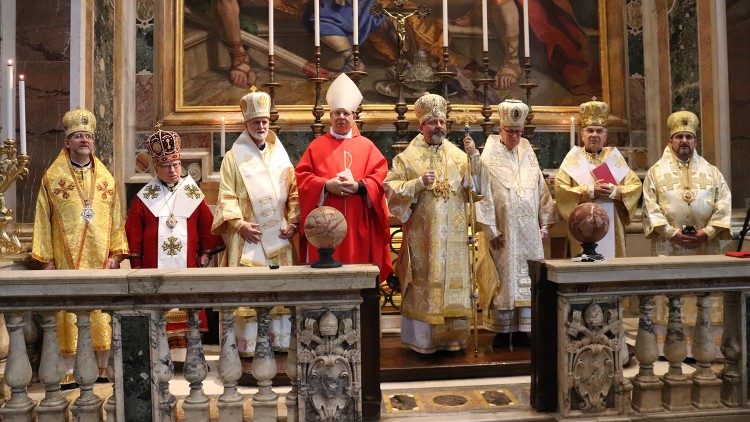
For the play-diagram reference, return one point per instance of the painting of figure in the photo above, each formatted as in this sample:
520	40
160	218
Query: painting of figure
225	49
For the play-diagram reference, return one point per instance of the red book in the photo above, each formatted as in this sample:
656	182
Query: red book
602	172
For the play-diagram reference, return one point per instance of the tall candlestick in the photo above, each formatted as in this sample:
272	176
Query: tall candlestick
22	113
355	22
526	28
316	9
223	137
270	28
445	23
572	132
11	102
485	40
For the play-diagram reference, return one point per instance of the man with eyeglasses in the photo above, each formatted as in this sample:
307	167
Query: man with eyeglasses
345	170
576	183
169	226
514	216
78	224
426	193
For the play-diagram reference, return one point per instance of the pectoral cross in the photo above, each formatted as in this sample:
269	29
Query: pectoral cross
703	181
669	181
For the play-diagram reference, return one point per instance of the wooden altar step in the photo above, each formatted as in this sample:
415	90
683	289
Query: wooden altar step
399	363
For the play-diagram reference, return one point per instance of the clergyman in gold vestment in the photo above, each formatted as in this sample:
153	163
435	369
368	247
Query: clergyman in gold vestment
575	183
684	190
79	224
426	193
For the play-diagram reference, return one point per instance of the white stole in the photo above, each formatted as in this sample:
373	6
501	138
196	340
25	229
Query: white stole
579	168
267	190
179	204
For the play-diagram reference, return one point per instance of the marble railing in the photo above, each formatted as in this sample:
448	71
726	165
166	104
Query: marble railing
325	362
578	318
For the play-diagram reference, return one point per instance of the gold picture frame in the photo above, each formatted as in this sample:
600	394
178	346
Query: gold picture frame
173	111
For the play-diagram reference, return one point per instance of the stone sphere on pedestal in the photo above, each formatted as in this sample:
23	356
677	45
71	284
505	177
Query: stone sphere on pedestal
588	223
325	228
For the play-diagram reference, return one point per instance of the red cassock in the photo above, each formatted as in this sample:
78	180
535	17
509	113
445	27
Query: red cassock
368	234
142	229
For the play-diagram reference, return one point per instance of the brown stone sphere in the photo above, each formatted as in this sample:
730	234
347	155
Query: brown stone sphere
325	227
588	223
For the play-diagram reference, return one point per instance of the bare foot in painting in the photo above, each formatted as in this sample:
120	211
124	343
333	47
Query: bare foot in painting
507	75
240	74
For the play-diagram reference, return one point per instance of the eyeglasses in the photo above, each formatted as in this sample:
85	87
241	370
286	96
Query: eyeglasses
82	135
174	165
514	132
341	113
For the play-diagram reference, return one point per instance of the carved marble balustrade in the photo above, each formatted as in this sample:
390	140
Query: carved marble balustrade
578	318
334	368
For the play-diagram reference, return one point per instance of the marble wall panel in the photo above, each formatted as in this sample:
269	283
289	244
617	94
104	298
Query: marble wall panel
43	57
683	56
103	78
738	50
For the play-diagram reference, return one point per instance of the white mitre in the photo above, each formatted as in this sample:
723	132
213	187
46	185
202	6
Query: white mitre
512	113
255	104
343	93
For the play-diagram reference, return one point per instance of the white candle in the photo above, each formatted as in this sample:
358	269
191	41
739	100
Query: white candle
11	102
445	23
485	40
355	22
223	137
572	132
22	113
316	9
270	28
526	28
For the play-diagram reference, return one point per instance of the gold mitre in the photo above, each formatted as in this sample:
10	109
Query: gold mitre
343	93
79	120
430	106
594	113
163	146
512	113
255	104
682	121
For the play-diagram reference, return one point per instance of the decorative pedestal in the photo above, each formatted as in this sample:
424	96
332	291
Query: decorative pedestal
676	394
647	396
706	394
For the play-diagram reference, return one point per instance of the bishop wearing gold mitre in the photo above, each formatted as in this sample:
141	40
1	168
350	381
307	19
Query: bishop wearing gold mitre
426	193
597	173
79	224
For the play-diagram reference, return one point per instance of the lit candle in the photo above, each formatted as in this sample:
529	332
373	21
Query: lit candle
355	22
270	28
485	41
526	28
11	102
445	23
316	9
223	137
572	132
22	113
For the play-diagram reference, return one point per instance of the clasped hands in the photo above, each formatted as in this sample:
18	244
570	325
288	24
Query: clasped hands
690	241
602	189
251	231
341	186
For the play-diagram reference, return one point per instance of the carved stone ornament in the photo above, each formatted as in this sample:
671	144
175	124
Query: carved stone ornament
328	361
592	347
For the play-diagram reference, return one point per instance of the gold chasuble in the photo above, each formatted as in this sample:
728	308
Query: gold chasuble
432	265
79	224
574	185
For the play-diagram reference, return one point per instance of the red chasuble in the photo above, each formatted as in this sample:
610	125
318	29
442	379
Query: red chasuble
142	229
368	236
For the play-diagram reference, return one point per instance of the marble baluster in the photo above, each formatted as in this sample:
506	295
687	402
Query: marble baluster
30	336
230	370
3	356
164	369
17	374
623	386
196	404
292	412
646	385
676	393
264	369
54	405
88	406
706	392
731	348
110	407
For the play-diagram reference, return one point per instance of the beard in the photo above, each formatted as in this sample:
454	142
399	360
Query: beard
83	151
258	136
437	138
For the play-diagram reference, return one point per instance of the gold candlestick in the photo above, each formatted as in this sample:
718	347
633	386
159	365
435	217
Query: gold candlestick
317	126
271	85
355	75
485	83
12	167
529	85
